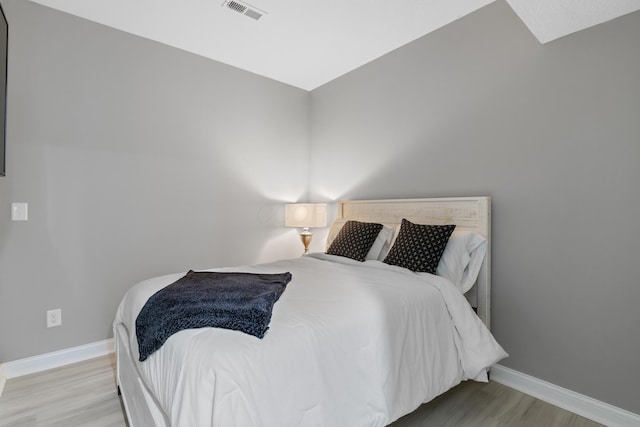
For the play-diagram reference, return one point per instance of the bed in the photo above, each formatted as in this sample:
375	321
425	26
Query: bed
350	343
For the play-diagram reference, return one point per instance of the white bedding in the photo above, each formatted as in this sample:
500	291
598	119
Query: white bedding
349	344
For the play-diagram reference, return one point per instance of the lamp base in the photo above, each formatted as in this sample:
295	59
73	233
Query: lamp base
306	236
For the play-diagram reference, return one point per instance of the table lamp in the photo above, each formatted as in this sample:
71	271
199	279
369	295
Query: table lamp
305	216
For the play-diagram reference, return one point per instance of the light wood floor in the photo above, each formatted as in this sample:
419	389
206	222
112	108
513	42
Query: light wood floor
84	394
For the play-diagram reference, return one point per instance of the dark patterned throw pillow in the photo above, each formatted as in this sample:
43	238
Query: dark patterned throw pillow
419	247
355	239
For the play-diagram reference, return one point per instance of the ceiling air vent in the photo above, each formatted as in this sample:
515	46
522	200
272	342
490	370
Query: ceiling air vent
244	8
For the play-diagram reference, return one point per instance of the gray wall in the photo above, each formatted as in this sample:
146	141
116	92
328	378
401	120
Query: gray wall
552	133
136	160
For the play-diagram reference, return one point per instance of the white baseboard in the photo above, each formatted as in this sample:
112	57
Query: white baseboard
42	362
577	403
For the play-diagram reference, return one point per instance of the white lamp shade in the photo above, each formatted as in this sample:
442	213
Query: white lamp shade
305	215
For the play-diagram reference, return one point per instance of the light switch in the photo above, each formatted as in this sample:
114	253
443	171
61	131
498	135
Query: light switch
19	211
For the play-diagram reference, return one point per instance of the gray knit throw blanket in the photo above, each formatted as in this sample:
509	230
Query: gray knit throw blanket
238	301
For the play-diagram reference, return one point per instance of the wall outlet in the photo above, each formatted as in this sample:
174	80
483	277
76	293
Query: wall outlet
54	318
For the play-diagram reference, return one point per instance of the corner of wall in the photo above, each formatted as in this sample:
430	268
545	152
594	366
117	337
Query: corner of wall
3	381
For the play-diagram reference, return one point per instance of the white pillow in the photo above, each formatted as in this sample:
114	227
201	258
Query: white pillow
462	259
382	242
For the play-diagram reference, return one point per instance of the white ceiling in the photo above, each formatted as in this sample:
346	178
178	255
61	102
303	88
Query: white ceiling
307	43
552	19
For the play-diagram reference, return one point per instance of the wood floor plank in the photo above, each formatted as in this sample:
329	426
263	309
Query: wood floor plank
473	404
84	394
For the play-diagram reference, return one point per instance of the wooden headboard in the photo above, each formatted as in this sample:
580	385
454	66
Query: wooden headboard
467	213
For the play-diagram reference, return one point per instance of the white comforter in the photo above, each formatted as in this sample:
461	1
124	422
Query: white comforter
349	344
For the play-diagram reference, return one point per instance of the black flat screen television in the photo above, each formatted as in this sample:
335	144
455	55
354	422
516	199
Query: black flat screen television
4	48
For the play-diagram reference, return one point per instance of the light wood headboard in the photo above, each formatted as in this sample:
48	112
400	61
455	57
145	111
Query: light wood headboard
467	213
